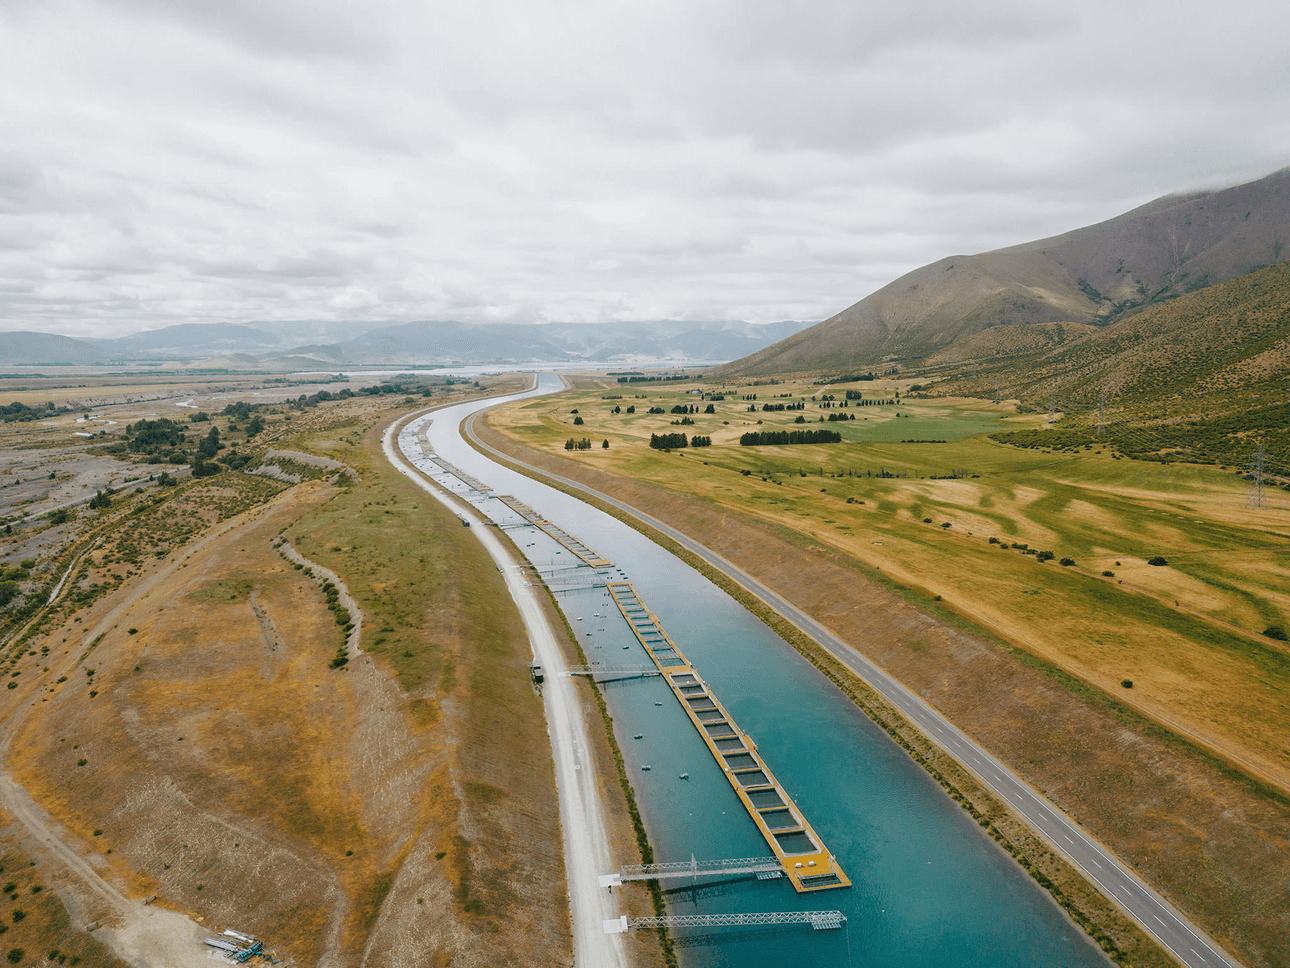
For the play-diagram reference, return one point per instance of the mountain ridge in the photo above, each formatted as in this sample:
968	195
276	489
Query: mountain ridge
1095	274
422	343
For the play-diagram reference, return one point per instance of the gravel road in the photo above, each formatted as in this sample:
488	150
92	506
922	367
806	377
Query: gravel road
586	845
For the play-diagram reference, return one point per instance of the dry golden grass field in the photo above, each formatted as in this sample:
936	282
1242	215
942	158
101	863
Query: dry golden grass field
1187	635
1183	774
178	721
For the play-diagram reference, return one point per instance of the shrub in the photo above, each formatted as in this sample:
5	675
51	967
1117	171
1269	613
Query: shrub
82	761
1275	632
1127	683
1158	561
1108	574
205	468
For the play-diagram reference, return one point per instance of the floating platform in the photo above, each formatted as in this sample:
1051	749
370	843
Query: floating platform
423	438
796	845
592	558
468	479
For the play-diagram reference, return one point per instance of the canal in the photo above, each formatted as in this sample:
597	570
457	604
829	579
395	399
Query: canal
929	887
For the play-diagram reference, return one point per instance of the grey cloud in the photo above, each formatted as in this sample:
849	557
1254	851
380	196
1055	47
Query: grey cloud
188	161
289	28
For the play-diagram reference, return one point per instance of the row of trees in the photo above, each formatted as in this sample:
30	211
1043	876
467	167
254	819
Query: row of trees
677	441
757	438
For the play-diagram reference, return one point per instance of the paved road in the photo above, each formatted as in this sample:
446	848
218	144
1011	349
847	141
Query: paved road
1191	946
586	844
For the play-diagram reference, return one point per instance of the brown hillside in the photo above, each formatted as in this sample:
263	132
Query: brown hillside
1097	274
1011	341
1228	341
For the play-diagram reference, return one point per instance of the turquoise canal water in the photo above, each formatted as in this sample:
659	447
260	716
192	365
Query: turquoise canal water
929	888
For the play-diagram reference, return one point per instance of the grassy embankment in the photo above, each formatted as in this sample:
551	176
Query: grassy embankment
429	597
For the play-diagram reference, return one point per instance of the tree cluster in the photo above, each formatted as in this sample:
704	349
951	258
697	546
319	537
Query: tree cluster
159	436
668	441
20	412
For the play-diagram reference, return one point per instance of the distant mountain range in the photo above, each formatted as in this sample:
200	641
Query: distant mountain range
282	346
1098	276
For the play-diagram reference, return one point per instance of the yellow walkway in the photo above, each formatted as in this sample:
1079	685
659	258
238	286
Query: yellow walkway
798	847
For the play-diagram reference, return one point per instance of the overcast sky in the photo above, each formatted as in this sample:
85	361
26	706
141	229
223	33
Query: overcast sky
166	161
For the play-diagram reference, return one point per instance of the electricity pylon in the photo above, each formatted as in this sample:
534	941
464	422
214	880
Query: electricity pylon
1257	498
